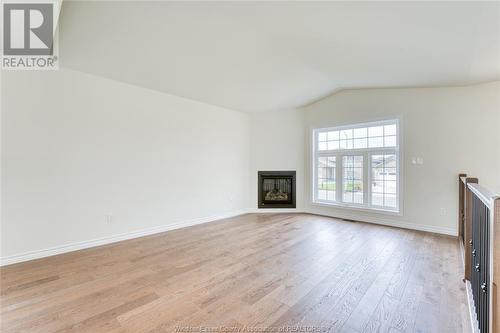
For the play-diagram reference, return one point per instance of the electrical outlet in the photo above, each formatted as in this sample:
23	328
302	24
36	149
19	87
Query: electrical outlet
108	218
442	211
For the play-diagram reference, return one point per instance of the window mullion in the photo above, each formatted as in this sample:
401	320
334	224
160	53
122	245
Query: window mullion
366	179
315	176
370	179
340	181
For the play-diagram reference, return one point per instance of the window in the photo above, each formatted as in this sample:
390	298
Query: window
357	166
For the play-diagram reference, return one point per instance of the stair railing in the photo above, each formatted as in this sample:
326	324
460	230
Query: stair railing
481	236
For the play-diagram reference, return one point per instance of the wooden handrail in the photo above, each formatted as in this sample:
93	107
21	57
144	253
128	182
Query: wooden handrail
461	205
465	220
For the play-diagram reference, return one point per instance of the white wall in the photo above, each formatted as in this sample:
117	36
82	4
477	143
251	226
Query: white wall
454	129
77	147
277	143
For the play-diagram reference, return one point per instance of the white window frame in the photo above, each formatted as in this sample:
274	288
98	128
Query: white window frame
367	174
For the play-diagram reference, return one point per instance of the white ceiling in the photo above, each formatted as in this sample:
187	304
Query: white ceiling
276	55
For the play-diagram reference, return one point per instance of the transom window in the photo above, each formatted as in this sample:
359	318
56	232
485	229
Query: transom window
358	166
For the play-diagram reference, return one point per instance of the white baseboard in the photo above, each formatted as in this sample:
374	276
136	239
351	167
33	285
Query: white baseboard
387	222
354	217
8	260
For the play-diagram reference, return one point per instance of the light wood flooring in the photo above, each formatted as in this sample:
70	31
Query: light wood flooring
264	272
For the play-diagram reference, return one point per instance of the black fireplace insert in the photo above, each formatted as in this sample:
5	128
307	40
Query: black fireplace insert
276	189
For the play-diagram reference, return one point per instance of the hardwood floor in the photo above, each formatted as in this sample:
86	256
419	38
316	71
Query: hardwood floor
256	270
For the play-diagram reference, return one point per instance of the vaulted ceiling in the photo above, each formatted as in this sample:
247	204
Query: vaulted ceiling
254	56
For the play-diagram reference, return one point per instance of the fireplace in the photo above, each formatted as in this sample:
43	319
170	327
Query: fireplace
276	189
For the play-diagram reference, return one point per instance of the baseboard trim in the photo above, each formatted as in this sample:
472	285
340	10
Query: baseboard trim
388	222
374	220
14	259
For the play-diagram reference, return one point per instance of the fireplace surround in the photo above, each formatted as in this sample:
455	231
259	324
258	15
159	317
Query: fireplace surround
276	189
